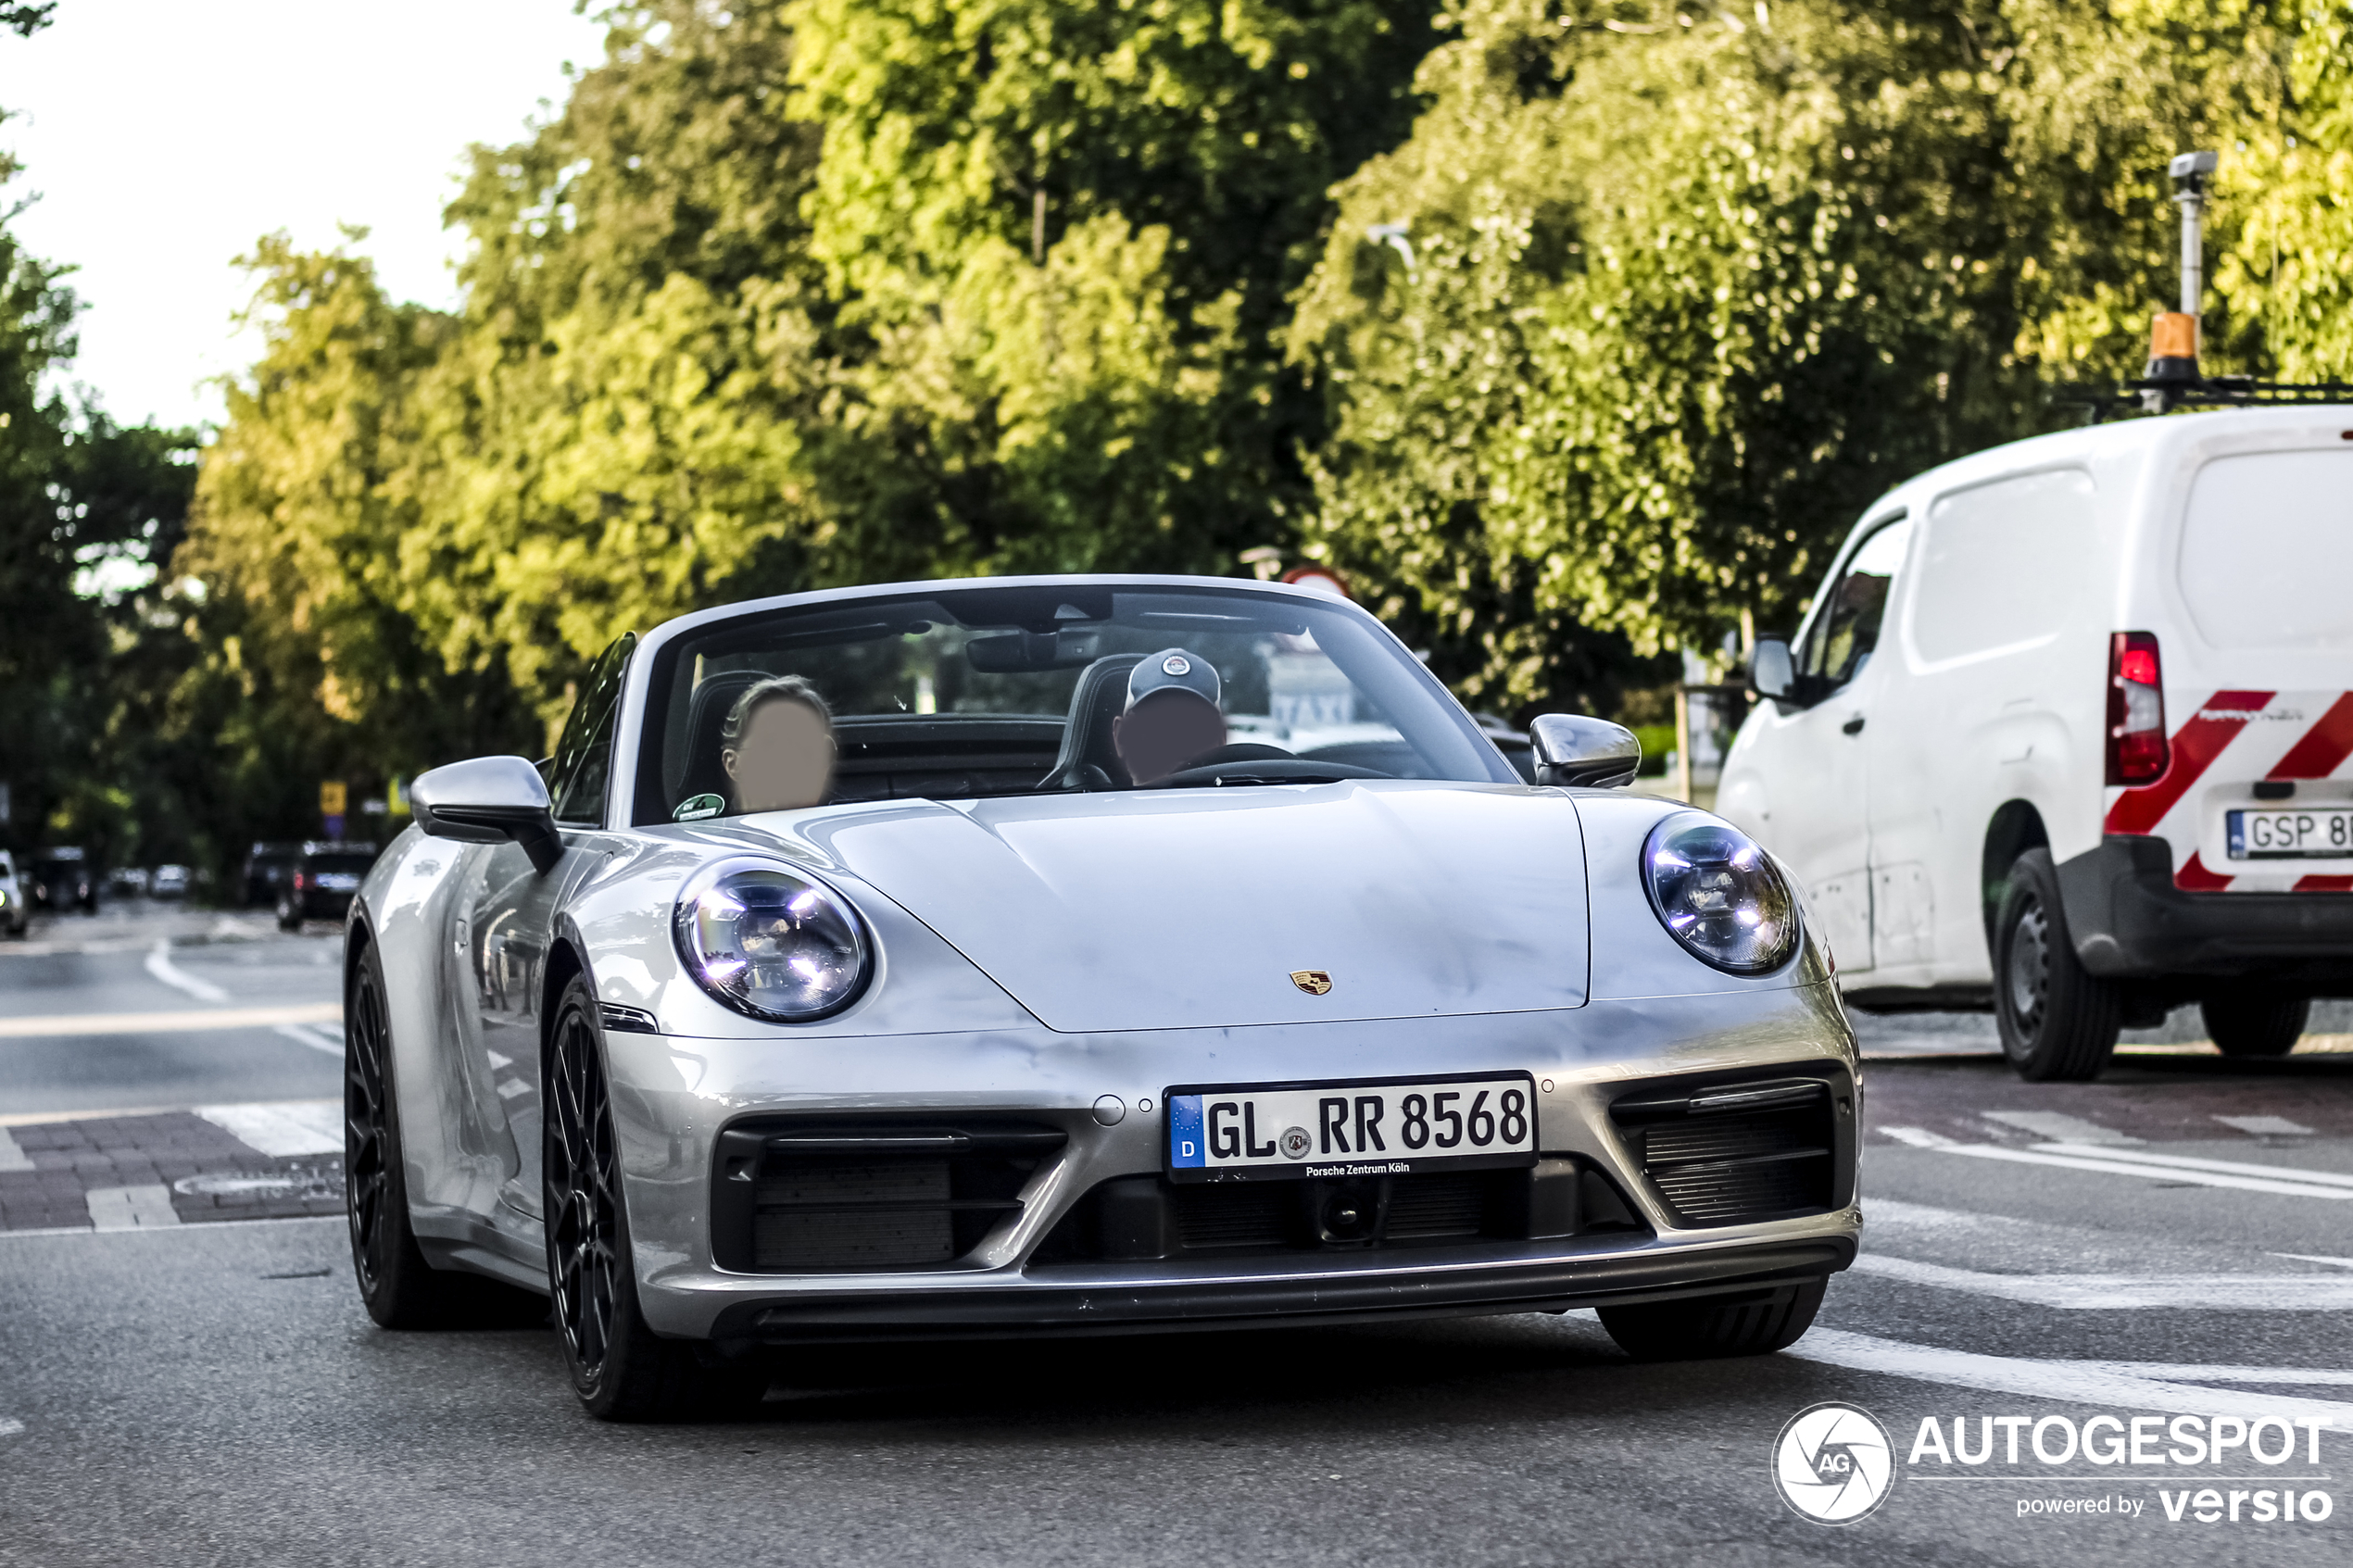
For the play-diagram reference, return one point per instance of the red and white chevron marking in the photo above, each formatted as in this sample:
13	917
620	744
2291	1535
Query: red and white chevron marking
2230	740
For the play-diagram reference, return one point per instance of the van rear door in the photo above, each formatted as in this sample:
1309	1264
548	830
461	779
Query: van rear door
2256	797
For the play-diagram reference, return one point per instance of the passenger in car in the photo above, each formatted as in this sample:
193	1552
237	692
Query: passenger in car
1172	715
777	746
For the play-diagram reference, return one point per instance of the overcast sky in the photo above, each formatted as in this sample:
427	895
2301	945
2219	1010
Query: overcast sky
164	136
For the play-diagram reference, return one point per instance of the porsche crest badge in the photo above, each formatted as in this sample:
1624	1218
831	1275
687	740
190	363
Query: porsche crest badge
1314	981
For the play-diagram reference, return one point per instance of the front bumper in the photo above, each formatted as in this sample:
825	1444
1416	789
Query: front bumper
2129	922
673	1097
1064	1301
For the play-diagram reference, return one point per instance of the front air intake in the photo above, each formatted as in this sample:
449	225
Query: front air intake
1735	1153
804	1196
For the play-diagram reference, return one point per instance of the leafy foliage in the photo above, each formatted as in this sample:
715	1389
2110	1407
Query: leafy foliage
1658	297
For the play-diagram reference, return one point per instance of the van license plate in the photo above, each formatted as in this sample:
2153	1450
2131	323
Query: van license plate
2313	833
1350	1127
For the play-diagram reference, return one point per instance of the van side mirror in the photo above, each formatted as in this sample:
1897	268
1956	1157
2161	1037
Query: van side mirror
489	800
1771	672
1574	750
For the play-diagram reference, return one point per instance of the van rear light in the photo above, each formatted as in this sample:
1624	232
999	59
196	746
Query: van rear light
2136	750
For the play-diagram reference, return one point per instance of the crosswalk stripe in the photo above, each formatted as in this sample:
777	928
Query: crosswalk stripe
2083	1383
2277	1293
2178	1162
2109	1161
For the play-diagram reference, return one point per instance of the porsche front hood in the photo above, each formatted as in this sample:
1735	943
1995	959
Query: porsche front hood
1190	909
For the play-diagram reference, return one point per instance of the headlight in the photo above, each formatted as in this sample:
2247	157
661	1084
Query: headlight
1720	894
772	943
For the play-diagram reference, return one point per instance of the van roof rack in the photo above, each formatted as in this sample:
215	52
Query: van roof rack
2158	395
2172	380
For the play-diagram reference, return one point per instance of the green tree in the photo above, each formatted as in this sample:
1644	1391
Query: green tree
1657	299
1065	237
2286	275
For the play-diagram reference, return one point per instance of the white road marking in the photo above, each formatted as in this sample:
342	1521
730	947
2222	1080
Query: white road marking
2083	1382
2267	1126
180	1229
310	1035
10	1426
2312	1258
131	1209
298	1126
2284	1376
11	1157
509	1088
2109	1160
2229	1293
159	964
60	1025
2057	1127
2178	1162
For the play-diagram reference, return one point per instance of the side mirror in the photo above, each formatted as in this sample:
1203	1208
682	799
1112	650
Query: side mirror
489	800
1771	672
1575	750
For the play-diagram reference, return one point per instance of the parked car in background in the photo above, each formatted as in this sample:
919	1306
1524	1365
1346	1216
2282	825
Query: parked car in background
171	881
321	881
267	872
2069	732
12	906
64	879
127	881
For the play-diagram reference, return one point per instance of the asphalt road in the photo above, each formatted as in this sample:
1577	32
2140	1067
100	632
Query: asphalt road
182	971
2173	1241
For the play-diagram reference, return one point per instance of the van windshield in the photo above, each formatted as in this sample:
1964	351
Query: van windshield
960	693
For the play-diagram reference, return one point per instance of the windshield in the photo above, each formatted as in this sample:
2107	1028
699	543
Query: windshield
995	690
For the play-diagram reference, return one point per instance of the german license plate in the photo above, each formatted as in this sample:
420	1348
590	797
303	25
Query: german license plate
1350	1127
2319	833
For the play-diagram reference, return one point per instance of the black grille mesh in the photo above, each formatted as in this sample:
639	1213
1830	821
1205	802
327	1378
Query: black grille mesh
809	1194
1438	1206
1732	1168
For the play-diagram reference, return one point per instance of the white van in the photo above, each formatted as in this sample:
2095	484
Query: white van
2066	733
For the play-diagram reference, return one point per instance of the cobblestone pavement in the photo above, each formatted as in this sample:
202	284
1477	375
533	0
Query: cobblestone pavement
176	1167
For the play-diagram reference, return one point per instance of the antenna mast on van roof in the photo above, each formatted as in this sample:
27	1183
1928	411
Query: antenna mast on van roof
2172	380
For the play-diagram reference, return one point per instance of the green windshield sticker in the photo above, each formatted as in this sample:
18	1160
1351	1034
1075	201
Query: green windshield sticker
696	807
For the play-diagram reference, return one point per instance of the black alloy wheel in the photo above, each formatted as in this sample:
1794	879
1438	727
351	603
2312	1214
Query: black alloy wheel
2059	1021
621	1369
1692	1331
2248	1019
398	1287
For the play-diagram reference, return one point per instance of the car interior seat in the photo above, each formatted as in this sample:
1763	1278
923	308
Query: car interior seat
1086	760
706	718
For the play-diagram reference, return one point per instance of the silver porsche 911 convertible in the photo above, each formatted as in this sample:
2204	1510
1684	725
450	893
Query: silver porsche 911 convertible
1074	955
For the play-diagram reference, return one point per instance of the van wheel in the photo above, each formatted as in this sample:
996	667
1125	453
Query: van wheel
2059	1021
2246	1021
1682	1331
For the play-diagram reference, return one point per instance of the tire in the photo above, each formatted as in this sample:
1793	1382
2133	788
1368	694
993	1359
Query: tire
1693	1331
289	918
2245	1020
398	1287
621	1369
2059	1021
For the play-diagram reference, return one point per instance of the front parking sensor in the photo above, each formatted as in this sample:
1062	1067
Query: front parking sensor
1111	1110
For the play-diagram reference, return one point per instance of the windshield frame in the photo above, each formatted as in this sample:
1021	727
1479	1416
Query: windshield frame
638	757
